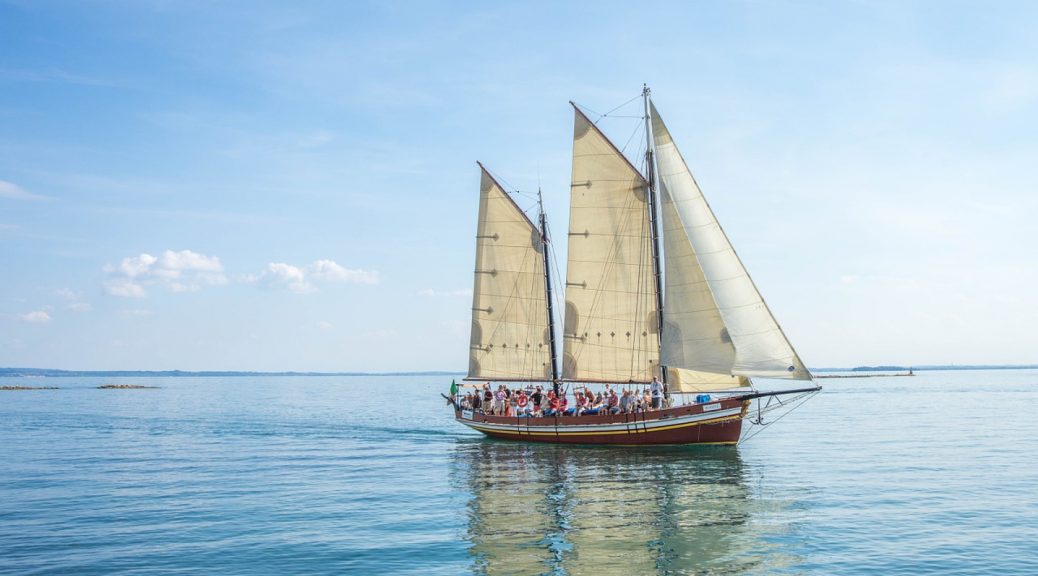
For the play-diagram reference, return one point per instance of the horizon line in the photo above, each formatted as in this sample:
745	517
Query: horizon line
24	371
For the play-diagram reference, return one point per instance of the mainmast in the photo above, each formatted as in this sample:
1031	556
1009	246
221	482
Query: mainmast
650	175
547	288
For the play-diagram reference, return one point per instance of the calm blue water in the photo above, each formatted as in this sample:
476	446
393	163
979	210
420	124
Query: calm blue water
934	474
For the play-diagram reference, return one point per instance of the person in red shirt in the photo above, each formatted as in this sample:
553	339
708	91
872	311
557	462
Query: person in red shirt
553	404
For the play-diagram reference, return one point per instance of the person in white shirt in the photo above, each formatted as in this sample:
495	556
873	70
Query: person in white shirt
657	393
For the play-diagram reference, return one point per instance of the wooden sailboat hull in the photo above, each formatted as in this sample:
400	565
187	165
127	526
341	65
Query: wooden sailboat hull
711	423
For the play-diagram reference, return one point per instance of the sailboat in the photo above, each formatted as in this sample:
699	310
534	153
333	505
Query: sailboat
654	291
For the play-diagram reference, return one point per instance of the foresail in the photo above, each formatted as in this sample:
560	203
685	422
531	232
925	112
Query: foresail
610	332
761	349
694	335
509	307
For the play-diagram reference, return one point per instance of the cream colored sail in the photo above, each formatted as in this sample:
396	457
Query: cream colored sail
696	335
610	332
682	380
509	308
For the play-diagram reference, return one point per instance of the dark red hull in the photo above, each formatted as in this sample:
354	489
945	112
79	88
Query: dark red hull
714	423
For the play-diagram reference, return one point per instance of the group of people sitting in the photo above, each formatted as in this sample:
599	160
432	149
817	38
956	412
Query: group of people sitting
535	402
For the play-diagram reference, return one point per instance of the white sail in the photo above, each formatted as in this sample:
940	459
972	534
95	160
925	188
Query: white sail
610	331
694	335
509	305
717	274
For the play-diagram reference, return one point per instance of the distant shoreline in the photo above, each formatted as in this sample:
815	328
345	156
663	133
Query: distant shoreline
54	373
936	367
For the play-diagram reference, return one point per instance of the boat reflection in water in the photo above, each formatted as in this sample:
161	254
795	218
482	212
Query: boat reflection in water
585	510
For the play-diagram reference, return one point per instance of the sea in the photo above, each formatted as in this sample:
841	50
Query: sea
931	474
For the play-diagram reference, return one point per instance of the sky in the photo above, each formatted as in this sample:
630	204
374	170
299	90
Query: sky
293	186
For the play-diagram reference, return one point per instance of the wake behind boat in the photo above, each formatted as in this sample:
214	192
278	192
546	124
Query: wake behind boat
657	303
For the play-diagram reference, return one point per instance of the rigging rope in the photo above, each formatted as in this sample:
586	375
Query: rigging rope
800	400
600	116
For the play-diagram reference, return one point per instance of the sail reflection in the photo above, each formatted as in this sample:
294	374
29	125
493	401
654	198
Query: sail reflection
584	510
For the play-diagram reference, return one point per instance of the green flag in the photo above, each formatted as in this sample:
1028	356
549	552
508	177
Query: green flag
454	388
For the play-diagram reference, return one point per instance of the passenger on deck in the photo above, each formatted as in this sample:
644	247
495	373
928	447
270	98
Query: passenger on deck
581	403
564	406
657	393
521	403
646	402
625	402
499	400
613	402
594	403
488	399
537	397
553	404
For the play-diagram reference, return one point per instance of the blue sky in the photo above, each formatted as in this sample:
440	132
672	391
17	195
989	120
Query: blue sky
292	186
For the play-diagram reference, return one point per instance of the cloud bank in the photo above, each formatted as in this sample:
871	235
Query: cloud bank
303	280
183	271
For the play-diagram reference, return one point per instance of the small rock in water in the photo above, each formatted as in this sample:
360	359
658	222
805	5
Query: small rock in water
123	386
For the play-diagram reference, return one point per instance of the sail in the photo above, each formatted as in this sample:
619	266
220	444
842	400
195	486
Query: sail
712	306
610	332
682	380
509	305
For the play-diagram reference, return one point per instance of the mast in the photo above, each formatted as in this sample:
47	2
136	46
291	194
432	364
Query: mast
650	175
547	288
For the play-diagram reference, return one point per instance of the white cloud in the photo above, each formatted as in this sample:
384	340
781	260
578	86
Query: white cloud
304	280
36	317
13	191
135	312
329	270
291	277
125	288
183	271
79	307
325	325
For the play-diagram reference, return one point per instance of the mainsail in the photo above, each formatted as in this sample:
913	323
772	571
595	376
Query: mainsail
510	339
610	326
715	320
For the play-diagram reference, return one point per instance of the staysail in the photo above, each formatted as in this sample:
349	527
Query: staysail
610	331
510	339
715	320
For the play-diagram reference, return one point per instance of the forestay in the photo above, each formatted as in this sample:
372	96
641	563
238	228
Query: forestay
714	318
610	331
509	308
